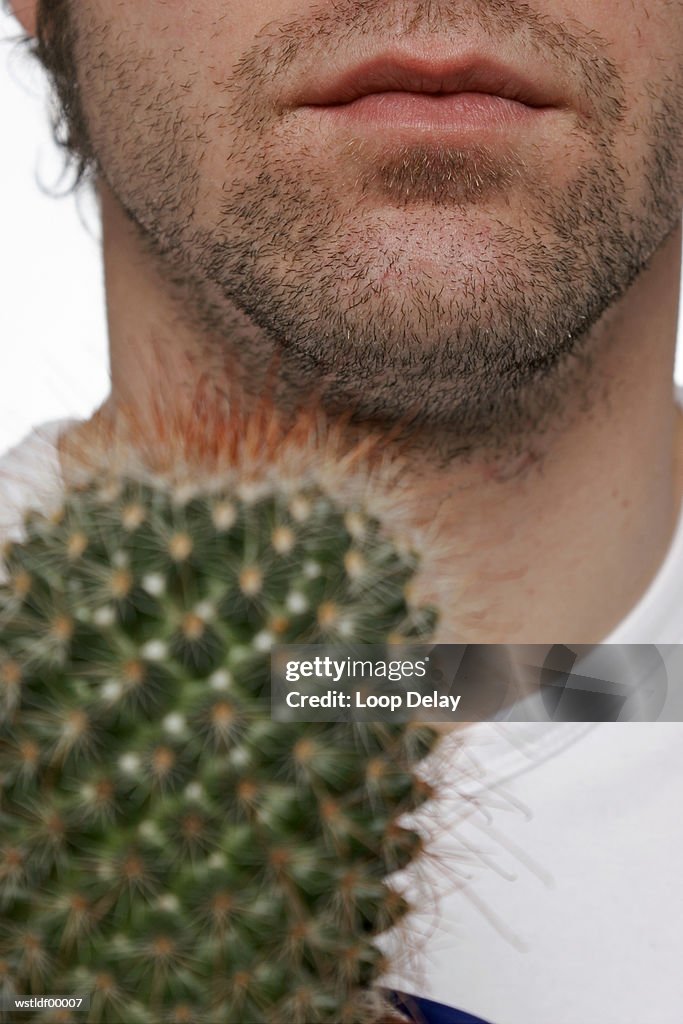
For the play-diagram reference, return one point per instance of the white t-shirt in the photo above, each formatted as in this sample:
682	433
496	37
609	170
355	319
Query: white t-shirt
558	852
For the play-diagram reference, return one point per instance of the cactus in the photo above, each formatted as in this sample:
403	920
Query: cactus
165	846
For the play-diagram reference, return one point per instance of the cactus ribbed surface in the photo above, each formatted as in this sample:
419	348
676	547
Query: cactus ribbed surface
165	846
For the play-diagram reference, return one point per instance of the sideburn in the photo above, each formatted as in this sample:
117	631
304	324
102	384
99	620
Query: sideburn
55	48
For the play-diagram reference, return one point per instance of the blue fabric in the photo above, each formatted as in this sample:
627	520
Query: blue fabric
425	1011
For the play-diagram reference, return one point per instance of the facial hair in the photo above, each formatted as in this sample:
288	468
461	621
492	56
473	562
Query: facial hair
482	334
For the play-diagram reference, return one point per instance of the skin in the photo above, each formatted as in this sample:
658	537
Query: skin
504	308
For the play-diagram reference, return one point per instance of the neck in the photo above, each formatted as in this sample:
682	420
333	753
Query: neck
554	547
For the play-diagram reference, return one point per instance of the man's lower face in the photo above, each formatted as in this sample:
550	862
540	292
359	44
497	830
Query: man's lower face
425	204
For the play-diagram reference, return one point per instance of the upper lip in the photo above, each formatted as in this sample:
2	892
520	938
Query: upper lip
406	73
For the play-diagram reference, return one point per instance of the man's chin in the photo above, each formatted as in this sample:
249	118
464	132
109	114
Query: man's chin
461	253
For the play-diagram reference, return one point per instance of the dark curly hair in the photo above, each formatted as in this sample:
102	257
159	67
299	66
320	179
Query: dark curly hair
53	46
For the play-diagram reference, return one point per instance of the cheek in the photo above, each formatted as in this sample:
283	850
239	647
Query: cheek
187	52
642	38
628	25
644	41
211	34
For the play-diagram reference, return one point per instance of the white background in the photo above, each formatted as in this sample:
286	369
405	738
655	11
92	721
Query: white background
53	358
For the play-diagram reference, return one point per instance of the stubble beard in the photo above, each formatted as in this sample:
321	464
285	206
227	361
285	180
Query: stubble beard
489	354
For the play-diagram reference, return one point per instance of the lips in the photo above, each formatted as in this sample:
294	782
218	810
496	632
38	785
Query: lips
392	74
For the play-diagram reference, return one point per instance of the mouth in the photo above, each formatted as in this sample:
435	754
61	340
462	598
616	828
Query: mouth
435	79
472	93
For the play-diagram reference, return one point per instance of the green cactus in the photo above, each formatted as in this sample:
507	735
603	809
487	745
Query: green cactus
164	844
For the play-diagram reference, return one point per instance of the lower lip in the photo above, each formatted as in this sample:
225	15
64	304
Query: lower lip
420	112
